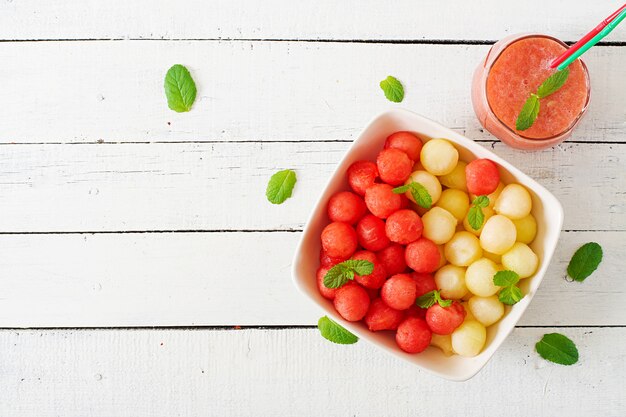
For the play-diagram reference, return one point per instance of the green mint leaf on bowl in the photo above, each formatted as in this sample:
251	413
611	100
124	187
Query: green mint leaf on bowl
553	83
332	331
430	298
419	193
475	216
180	89
585	261
505	278
481	201
393	89
510	295
340	274
557	348
530	111
280	186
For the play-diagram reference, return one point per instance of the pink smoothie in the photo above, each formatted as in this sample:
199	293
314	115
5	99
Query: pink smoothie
519	70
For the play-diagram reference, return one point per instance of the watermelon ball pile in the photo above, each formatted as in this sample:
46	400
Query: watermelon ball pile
416	250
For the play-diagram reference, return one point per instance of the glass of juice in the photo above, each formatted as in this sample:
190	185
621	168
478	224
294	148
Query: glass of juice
513	69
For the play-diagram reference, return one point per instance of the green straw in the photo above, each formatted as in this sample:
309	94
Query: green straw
593	41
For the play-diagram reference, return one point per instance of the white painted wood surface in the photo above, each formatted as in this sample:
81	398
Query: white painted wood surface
174	279
164	373
116	212
261	91
284	19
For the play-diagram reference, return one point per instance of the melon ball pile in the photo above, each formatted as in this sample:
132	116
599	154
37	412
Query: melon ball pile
416	250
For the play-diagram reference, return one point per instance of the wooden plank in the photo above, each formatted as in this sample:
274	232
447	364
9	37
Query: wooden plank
284	19
293	372
189	279
221	186
259	91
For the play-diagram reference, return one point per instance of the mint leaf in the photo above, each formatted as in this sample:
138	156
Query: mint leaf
332	331
419	193
481	201
180	89
557	348
505	278
529	113
475	217
343	272
393	89
280	186
510	295
585	261
430	298
553	83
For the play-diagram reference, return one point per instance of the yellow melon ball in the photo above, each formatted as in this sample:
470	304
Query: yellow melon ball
455	178
487	310
450	280
514	202
479	277
492	197
496	258
455	201
442	257
439	156
469	338
498	235
468	312
443	342
521	259
429	181
439	225
526	229
487	213
463	249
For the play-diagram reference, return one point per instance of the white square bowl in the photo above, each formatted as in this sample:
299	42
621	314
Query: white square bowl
546	209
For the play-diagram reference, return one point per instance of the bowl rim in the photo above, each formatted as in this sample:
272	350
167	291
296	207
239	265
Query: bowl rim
470	145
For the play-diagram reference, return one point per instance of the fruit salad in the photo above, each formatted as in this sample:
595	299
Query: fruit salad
426	247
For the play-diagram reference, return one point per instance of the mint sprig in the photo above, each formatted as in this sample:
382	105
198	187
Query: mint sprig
332	331
530	110
585	261
180	89
475	216
557	348
430	298
280	186
510	293
343	272
419	193
393	89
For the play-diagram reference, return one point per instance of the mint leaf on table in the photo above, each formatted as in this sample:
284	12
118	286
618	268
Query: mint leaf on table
557	348
529	113
585	261
341	273
475	216
510	293
553	83
530	110
419	193
280	186
332	331
180	89
430	298
393	89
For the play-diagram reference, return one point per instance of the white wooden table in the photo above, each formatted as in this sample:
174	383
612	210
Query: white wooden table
135	241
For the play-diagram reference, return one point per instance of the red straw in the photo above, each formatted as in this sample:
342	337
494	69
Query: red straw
586	38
